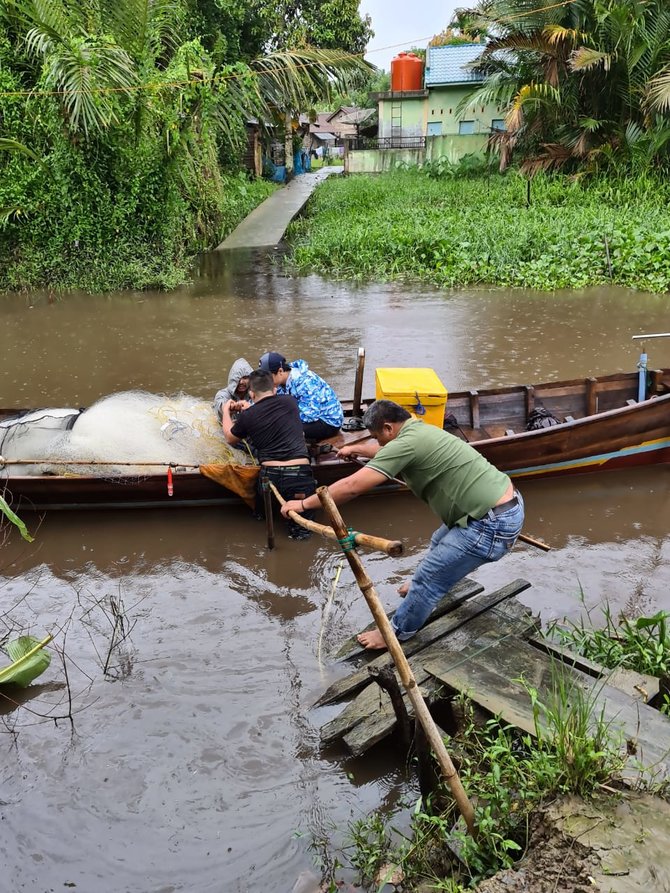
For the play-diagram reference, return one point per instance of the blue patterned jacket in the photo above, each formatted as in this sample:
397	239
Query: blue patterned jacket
317	401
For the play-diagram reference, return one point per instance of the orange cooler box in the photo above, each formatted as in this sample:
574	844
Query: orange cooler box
412	388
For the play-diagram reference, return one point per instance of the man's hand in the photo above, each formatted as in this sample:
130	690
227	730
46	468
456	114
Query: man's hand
239	405
367	450
347	452
293	505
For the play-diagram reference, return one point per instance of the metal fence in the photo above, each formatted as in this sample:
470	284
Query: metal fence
388	142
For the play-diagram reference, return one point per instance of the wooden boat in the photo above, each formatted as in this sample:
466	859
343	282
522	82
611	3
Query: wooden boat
601	426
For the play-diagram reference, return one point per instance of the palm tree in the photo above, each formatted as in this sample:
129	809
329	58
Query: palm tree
586	80
101	80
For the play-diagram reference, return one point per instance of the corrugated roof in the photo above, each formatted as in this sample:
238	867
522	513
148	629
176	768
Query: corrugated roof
446	65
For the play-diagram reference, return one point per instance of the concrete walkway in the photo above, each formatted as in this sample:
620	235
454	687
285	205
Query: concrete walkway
266	225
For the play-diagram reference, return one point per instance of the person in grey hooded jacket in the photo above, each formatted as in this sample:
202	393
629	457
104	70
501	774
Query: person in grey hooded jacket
237	388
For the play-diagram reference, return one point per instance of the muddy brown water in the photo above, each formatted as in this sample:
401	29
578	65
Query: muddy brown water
194	765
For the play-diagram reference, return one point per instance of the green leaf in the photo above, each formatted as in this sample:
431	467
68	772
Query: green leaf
29	660
14	518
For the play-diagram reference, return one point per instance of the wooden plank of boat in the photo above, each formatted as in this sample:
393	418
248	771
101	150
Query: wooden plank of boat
620	436
371	705
492	681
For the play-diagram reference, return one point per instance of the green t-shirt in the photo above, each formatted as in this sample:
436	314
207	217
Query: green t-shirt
449	475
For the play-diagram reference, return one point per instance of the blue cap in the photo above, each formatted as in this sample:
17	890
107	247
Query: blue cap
272	362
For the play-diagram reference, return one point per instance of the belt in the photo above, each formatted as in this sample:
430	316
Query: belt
503	507
286	469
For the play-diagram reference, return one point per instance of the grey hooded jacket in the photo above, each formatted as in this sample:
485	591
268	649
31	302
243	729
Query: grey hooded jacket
238	370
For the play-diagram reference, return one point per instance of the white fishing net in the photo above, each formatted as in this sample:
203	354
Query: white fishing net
122	432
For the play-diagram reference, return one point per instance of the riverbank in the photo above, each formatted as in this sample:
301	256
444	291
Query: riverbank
101	240
463	230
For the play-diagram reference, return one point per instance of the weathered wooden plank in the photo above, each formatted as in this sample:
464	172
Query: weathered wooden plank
434	629
638	685
378	726
371	709
511	619
488	681
463	590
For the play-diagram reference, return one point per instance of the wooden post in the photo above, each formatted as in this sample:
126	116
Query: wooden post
269	519
385	678
529	399
358	383
474	409
406	676
591	396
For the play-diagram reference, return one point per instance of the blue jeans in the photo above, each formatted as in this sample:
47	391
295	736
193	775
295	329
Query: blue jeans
455	552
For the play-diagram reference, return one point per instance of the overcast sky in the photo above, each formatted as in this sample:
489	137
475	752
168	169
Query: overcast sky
405	22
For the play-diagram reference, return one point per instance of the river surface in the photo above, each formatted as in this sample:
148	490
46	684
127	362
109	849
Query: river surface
193	764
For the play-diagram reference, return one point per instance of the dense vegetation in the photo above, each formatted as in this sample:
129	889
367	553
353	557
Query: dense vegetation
122	124
583	82
443	226
509	775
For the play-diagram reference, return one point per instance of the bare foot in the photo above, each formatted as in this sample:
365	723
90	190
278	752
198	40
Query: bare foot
404	589
372	640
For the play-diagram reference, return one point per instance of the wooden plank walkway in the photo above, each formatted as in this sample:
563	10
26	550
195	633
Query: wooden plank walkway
265	226
486	645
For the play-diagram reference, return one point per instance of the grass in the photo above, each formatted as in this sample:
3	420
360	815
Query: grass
642	645
508	775
433	226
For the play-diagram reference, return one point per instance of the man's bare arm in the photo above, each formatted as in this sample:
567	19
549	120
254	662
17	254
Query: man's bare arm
227	424
342	491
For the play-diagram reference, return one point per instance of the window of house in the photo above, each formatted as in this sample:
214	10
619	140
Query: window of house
466	127
498	124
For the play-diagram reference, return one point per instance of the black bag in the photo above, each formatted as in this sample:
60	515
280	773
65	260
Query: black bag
540	418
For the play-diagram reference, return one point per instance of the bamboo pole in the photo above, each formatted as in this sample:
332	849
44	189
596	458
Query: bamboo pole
390	547
358	383
522	536
406	676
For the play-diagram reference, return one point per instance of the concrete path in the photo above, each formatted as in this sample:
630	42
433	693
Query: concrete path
266	225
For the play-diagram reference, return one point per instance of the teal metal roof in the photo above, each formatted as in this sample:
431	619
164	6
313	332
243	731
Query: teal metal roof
446	65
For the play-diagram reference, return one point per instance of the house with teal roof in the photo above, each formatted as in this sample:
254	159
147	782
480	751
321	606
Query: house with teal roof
430	123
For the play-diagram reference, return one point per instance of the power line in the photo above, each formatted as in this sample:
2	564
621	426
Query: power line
130	88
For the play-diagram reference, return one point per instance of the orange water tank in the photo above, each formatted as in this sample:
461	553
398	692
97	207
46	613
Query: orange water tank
406	72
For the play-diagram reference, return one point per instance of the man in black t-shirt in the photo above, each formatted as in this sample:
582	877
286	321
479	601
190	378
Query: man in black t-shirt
272	424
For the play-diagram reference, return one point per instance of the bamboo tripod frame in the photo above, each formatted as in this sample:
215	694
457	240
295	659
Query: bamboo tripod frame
404	670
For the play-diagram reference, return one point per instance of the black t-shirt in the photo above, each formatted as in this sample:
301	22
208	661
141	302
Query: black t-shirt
273	426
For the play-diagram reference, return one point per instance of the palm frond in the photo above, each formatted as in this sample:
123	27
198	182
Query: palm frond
557	34
586	58
144	28
7	145
88	74
658	91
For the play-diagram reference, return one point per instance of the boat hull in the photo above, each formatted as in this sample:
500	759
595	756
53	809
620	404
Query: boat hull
635	434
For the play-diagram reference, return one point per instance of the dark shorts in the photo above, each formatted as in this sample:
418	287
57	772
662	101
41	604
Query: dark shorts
293	482
319	430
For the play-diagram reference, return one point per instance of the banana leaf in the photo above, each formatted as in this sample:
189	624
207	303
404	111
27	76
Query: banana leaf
14	518
29	658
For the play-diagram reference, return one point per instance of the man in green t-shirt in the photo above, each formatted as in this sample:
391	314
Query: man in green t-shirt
481	512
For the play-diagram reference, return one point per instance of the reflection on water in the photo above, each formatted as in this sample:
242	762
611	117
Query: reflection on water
191	767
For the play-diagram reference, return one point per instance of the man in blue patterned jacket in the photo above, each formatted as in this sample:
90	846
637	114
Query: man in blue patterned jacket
320	410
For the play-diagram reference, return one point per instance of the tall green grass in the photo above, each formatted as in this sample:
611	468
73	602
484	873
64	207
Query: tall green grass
479	229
